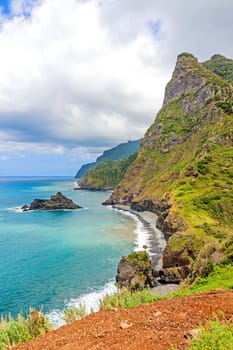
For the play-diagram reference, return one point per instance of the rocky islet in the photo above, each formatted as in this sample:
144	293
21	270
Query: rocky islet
56	202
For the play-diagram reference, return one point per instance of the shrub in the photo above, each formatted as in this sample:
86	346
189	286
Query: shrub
126	299
74	313
202	165
225	105
229	250
21	329
211	202
140	259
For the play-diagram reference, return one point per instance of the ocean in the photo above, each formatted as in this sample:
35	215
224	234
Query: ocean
57	259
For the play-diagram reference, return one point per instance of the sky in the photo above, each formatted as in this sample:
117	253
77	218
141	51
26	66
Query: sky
80	76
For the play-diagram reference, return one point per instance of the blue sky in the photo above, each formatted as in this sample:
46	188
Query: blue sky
38	165
5	5
81	78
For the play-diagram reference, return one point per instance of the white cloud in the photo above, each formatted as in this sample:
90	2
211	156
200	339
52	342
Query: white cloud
19	7
88	74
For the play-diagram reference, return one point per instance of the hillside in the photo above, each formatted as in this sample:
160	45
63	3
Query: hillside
121	151
106	175
184	168
163	325
84	169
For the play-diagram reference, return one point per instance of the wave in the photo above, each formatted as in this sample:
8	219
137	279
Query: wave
75	186
142	234
147	236
16	209
91	302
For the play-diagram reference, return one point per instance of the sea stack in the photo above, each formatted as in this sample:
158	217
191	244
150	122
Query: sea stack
56	202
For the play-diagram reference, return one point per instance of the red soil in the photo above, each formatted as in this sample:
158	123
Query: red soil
154	326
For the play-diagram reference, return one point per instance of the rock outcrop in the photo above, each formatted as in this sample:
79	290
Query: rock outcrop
174	274
56	202
135	271
91	187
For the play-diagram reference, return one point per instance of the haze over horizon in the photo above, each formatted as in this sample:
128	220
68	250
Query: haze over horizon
81	77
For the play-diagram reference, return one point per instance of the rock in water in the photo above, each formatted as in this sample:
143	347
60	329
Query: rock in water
57	201
135	271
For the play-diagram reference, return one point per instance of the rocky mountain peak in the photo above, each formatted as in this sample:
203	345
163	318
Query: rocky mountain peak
184	77
185	59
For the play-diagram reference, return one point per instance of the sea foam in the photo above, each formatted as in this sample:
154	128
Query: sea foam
91	302
16	209
142	235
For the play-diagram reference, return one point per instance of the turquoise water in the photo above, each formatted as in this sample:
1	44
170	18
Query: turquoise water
52	258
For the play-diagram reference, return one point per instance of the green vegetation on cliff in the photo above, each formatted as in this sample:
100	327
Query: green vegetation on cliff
121	151
186	160
15	331
106	175
222	66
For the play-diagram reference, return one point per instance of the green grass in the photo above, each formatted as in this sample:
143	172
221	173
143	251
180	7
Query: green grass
220	278
215	336
74	313
15	331
127	300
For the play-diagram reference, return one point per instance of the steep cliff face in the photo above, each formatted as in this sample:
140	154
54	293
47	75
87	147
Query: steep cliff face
184	168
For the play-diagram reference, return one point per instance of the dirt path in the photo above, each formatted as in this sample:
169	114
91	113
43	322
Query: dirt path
154	326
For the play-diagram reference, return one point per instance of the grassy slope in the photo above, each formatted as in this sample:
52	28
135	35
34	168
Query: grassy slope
203	201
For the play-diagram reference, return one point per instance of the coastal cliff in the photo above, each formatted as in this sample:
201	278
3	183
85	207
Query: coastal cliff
117	153
184	168
106	175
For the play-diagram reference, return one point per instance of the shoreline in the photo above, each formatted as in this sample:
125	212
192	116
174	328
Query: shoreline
156	242
152	236
145	232
90	301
